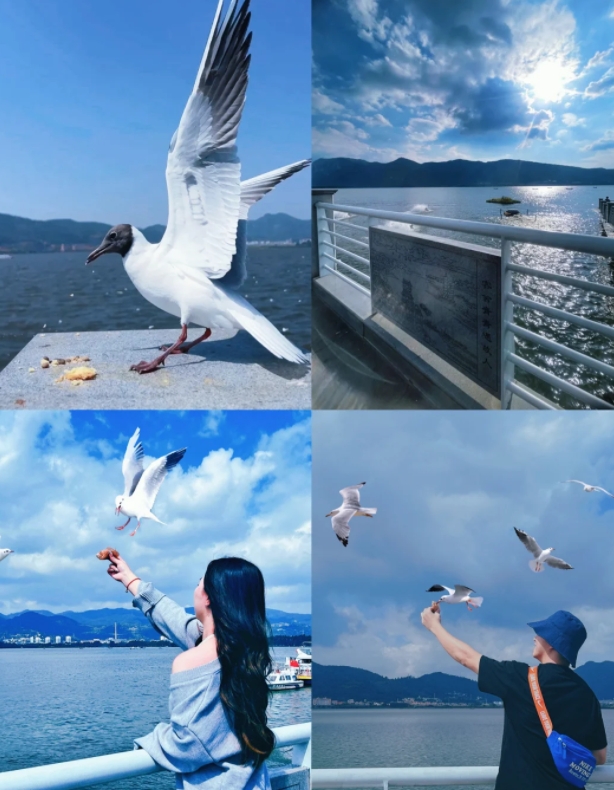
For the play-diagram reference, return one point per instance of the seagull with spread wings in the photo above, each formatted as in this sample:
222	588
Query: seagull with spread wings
540	556
349	507
141	486
460	594
193	273
589	489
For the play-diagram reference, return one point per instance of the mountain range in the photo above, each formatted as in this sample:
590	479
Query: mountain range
344	173
350	683
100	624
18	234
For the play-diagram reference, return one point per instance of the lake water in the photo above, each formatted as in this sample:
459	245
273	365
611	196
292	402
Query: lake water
56	705
550	208
56	292
397	738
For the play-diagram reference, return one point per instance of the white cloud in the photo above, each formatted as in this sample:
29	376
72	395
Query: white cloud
570	119
324	104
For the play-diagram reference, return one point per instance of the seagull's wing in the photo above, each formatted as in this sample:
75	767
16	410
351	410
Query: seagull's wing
529	543
351	495
460	589
256	188
341	525
440	588
576	481
203	171
153	476
599	488
132	465
555	562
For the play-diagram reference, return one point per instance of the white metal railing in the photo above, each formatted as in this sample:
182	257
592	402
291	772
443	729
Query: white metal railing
330	250
423	777
125	765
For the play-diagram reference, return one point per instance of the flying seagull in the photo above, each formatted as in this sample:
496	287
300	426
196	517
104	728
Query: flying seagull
460	594
540	555
193	273
5	553
589	488
349	507
141	486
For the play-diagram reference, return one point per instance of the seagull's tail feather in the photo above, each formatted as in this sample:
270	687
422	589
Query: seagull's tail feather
155	518
536	566
262	329
366	511
478	601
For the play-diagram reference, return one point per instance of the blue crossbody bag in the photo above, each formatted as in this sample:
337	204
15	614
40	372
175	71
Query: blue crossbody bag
573	761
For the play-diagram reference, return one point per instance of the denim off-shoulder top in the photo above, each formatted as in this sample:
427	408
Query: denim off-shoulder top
198	744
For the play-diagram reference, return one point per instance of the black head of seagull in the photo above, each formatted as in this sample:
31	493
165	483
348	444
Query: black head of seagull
119	239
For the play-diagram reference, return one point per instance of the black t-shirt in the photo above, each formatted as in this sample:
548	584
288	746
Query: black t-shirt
526	761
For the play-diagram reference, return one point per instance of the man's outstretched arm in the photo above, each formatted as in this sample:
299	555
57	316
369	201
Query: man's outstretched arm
600	756
459	651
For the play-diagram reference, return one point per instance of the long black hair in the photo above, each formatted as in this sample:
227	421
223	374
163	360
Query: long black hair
235	588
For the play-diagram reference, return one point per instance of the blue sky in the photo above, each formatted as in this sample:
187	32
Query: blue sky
433	80
243	488
92	94
449	488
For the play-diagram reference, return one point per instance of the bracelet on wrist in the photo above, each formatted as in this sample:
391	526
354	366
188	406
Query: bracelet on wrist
136	579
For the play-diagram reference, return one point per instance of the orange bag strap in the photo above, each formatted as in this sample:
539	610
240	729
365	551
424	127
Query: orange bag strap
538	699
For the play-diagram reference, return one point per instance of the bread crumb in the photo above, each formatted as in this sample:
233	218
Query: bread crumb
78	374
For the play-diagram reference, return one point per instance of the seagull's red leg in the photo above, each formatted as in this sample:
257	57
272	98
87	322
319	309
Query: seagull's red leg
138	524
187	347
125	525
149	367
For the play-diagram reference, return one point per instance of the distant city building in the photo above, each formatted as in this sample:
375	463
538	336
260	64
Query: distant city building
58	640
31	640
68	640
322	702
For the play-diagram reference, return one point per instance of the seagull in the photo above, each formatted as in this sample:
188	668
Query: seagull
541	555
589	489
193	273
349	507
460	594
4	553
141	486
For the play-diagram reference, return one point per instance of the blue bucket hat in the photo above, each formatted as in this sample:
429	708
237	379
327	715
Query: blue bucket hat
564	632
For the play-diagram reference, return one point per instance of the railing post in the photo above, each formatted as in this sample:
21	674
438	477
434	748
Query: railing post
508	371
301	754
319	235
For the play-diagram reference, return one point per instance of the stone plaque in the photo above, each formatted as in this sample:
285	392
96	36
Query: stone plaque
444	293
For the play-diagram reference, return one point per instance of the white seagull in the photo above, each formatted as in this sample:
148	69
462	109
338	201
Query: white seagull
349	507
141	486
4	553
460	594
589	488
194	271
540	555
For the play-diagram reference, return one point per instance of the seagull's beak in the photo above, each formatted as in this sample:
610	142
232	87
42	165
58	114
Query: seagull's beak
105	247
117	511
11	551
327	515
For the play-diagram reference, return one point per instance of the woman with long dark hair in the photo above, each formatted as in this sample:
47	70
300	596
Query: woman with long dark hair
218	733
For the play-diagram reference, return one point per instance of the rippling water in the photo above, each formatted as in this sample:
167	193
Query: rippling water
56	292
61	705
550	208
395	738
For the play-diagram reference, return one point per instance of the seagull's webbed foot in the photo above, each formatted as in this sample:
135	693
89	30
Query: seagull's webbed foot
149	367
187	347
138	524
123	526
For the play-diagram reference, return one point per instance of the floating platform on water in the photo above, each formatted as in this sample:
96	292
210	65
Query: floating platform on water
229	371
503	200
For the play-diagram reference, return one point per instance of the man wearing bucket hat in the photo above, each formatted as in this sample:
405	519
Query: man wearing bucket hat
526	758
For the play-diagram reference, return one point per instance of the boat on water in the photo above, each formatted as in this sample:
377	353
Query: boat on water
283	680
511	212
302	663
5	256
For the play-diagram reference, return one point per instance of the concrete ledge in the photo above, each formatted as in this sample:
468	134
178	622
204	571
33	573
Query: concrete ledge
225	372
289	778
352	306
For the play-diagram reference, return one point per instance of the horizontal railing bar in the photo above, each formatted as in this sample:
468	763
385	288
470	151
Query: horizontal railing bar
563	278
428	776
113	767
356	285
594	245
361	243
555	381
347	266
563	315
347	252
552	345
347	224
530	397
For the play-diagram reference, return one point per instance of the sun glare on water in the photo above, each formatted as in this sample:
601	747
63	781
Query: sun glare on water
548	80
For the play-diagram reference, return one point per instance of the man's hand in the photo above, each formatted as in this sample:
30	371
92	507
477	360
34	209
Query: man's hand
120	571
431	616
